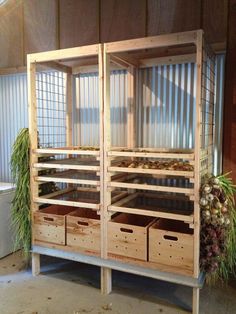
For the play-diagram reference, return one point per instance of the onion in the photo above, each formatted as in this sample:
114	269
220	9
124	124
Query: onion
215	211
227	221
207	188
224	210
203	201
215	181
209	197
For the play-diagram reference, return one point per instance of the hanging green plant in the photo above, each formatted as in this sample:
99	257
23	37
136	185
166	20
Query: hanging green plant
218	228
21	203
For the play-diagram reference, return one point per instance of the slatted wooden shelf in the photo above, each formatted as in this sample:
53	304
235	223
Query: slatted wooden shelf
67	150
70	163
152	153
131	205
71	176
186	174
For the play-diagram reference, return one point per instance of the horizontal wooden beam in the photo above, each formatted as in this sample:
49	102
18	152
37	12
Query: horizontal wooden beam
43	200
151	213
151	187
152	155
64	54
152	42
57	66
65	166
66	151
66	180
187	174
150	62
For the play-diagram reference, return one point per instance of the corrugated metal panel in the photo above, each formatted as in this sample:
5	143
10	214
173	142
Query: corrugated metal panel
86	109
218	113
13	117
166	106
172	86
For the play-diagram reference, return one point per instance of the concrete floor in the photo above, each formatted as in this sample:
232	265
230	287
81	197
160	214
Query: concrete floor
65	287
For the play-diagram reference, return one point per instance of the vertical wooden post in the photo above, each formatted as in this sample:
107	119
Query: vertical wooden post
104	78
197	152
34	186
195	303
68	109
131	120
35	264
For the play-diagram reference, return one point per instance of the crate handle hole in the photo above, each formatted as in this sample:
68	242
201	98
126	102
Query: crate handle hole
82	223
170	238
126	230
48	218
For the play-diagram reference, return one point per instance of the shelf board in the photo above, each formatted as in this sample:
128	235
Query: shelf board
151	187
152	154
67	150
151	213
70	176
122	266
70	163
187	174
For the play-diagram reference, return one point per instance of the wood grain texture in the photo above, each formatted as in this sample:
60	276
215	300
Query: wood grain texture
229	131
122	19
40	25
214	20
11	34
170	16
79	22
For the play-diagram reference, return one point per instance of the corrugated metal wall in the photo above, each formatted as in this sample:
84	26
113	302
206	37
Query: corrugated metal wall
171	86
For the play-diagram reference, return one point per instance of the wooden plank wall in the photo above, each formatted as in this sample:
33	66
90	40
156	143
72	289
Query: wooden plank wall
35	25
229	134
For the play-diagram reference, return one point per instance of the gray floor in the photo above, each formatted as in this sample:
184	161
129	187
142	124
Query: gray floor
66	287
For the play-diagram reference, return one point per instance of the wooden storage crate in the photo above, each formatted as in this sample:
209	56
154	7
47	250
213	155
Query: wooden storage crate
83	230
50	224
171	243
128	235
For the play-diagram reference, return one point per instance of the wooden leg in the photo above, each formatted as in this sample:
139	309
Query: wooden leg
196	292
35	264
106	280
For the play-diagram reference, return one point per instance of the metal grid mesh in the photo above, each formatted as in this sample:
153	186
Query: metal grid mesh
51	109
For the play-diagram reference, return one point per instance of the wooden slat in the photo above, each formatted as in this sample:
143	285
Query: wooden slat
66	151
122	19
187	174
79	22
179	59
64	54
152	42
151	213
40	25
152	155
66	166
11	34
214	20
152	187
66	180
170	16
43	200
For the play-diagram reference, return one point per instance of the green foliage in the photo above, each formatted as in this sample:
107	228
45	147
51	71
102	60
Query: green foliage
20	209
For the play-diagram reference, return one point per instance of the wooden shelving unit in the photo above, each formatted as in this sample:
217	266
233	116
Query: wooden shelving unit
135	194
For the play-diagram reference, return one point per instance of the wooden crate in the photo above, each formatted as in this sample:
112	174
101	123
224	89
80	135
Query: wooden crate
128	235
50	224
171	243
83	230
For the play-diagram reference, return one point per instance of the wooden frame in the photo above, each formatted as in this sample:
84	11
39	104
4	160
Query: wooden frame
125	55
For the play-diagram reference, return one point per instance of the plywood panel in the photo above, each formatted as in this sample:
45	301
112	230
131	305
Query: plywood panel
40	25
122	19
11	34
170	16
214	20
79	22
229	131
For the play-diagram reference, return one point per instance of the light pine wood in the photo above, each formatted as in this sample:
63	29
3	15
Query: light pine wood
152	42
195	301
197	146
35	264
